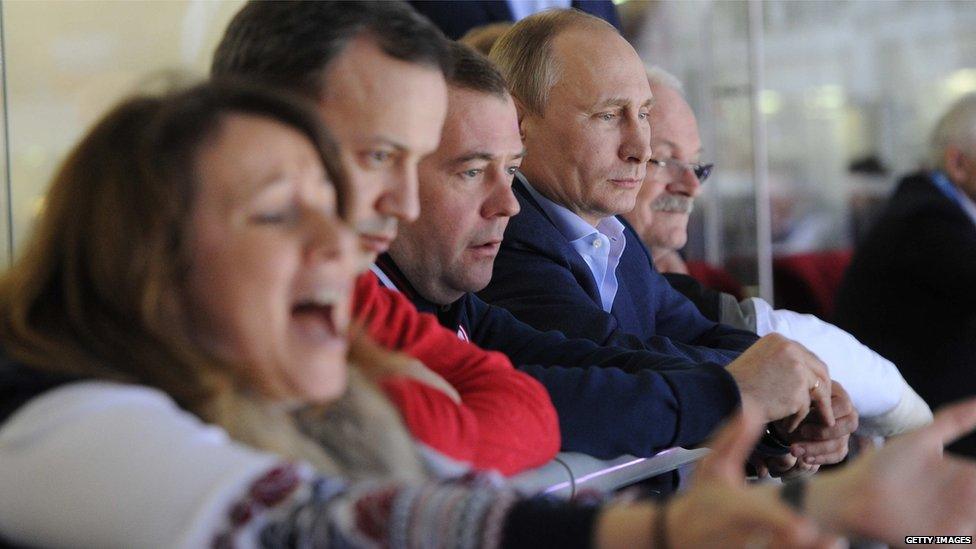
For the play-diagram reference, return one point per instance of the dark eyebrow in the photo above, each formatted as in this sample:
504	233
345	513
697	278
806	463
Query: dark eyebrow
620	102
480	155
477	155
611	102
383	140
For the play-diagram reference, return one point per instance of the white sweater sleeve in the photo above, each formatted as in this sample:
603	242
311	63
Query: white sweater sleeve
98	464
874	384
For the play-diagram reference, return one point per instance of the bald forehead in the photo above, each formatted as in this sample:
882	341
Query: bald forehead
592	47
596	67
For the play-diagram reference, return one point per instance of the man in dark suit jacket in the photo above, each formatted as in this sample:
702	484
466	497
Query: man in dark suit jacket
910	292
566	262
458	17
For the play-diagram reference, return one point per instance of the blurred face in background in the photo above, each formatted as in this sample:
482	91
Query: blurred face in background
386	115
667	196
960	166
466	199
589	148
272	266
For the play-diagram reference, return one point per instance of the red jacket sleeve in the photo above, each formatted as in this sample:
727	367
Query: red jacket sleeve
505	420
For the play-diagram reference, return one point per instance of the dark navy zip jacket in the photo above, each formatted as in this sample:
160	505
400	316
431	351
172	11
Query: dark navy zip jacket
610	401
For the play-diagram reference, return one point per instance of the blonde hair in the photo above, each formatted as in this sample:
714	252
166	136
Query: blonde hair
484	37
524	53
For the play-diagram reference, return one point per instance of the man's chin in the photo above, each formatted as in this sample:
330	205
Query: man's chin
623	204
474	279
669	231
677	239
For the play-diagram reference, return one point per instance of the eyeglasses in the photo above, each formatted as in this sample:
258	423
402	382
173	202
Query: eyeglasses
677	167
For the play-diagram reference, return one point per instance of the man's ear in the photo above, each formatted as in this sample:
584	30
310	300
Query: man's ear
521	111
955	164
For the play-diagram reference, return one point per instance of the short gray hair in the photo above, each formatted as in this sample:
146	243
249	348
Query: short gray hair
657	76
524	53
956	127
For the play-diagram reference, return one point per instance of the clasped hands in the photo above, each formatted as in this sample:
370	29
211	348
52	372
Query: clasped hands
793	391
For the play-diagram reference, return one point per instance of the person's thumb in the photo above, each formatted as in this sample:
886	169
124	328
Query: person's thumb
732	445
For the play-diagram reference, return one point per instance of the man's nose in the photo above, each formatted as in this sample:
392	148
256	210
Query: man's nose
635	145
329	238
400	198
501	201
686	183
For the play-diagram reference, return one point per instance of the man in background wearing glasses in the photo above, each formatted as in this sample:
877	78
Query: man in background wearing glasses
674	177
887	405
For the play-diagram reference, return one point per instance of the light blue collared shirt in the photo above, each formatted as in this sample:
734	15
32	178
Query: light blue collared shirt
600	247
941	182
524	8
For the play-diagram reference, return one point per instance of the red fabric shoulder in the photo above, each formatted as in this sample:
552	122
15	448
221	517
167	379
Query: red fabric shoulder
505	420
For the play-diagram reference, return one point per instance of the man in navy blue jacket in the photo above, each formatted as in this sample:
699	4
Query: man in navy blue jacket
567	263
609	400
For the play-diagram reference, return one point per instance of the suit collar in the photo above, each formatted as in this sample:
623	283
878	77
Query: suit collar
521	190
535	230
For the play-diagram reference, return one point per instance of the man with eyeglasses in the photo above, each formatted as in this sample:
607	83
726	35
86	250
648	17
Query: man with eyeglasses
674	177
887	405
667	214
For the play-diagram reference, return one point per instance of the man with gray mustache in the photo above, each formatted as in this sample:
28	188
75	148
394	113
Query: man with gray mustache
674	204
886	404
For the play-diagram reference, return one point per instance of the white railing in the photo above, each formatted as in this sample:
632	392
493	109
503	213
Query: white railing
571	472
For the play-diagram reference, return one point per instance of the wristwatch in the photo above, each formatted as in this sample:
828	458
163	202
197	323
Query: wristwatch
771	444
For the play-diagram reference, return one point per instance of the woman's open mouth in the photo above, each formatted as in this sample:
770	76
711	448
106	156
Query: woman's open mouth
319	315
